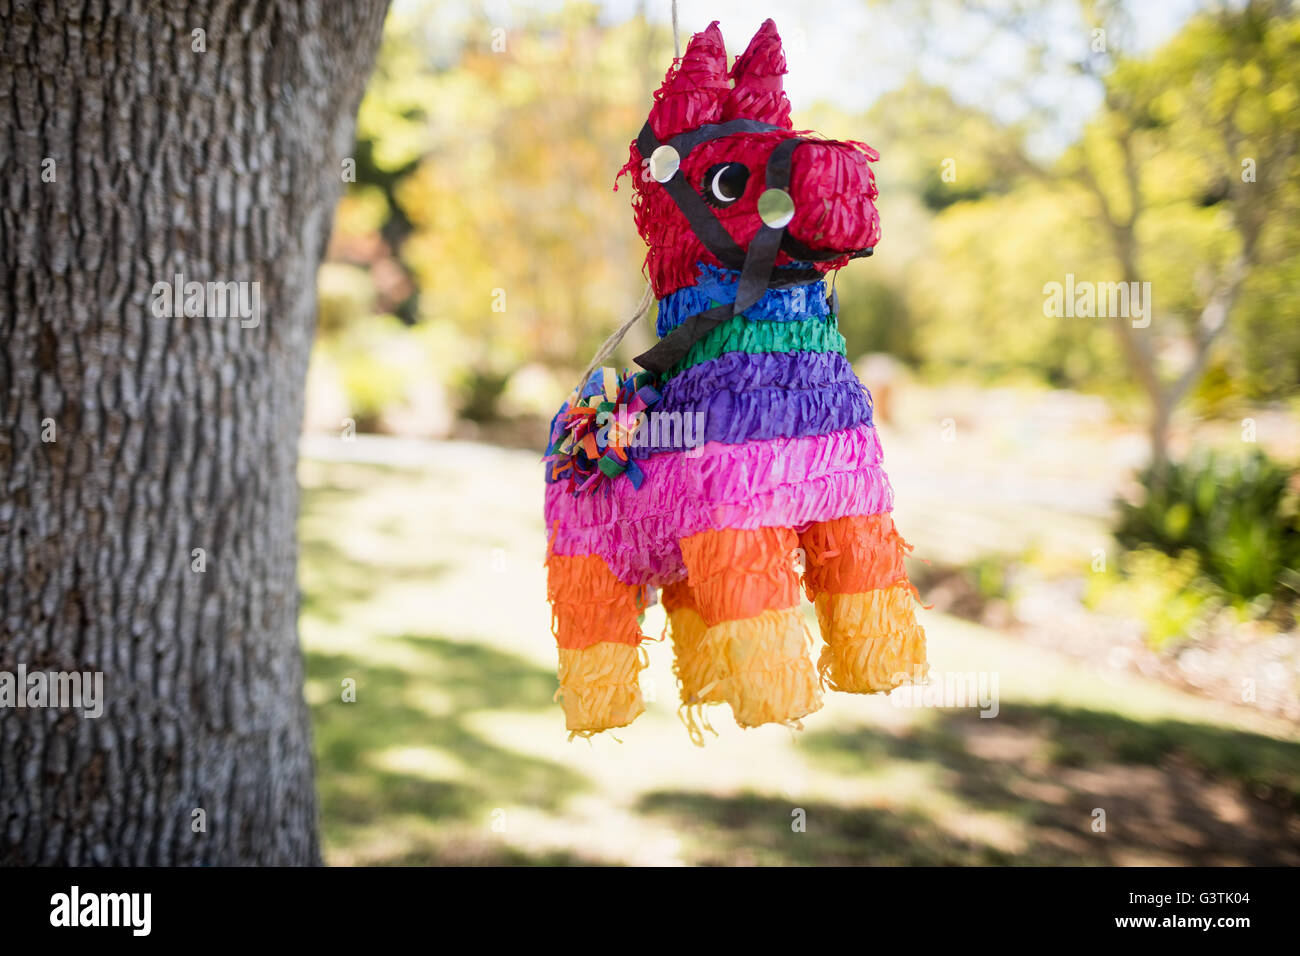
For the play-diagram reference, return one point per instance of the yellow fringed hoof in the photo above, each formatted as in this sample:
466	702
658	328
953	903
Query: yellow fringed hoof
770	678
873	642
599	689
697	671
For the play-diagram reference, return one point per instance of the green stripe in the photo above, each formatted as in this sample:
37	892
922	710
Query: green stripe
739	334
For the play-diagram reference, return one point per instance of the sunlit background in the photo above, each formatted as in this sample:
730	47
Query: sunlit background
1104	511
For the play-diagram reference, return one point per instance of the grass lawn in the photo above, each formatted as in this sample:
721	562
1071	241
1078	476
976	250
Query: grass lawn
423	587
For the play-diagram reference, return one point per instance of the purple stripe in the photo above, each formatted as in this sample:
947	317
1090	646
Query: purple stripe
742	396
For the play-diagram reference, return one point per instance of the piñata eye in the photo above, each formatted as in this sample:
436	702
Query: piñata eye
725	183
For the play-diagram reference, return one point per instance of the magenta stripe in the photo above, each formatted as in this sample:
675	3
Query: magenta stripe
783	482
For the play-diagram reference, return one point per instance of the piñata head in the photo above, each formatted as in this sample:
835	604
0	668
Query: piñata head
714	132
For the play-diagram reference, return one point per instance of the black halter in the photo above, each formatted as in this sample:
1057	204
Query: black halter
756	265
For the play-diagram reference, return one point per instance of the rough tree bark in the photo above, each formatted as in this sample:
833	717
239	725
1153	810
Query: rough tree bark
130	156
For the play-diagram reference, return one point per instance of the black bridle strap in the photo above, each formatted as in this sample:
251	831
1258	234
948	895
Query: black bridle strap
685	142
672	348
703	223
763	248
795	249
755	274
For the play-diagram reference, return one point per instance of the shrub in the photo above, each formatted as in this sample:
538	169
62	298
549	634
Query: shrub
1167	594
1238	516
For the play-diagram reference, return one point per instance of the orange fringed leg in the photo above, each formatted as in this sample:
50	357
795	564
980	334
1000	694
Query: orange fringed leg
747	595
699	679
596	629
856	579
697	674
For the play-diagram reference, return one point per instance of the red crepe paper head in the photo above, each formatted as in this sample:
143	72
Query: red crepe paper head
831	181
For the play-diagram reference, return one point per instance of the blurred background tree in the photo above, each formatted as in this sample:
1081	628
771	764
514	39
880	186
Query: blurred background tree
1186	176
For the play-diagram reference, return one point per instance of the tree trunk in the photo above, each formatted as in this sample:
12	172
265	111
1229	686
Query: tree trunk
134	149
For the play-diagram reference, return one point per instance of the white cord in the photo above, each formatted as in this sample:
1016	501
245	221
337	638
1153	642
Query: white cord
611	343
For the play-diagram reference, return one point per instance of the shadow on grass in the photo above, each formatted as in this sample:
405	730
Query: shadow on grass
1266	767
759	830
332	580
403	776
422	711
1170	790
459	850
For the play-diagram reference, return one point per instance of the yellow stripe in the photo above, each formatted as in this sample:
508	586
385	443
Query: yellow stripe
768	675
873	642
598	686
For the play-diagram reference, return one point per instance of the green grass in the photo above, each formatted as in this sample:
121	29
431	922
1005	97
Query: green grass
423	587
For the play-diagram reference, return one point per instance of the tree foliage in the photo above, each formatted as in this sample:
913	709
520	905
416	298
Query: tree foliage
486	161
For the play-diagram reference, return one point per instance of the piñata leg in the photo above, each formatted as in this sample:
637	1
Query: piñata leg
697	673
747	594
856	579
597	632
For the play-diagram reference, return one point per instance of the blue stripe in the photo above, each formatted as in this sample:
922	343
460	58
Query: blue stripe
717	285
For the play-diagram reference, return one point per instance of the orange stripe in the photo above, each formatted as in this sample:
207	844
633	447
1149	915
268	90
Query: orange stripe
679	594
739	573
589	604
853	554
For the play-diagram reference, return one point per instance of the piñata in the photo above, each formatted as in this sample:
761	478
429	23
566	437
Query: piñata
746	441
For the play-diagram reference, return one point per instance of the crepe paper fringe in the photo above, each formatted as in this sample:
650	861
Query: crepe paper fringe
779	483
873	642
695	718
768	673
679	594
697	680
735	398
757	73
787	381
599	687
756	372
693	93
592	432
739	335
733	418
697	676
853	554
716	285
739	573
589	605
695	87
834	191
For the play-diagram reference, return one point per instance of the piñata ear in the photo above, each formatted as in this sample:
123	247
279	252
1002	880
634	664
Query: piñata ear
695	88
758	94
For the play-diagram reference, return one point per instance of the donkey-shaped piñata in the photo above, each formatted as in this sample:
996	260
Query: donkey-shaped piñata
743	217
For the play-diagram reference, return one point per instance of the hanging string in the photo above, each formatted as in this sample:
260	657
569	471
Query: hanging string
611	343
